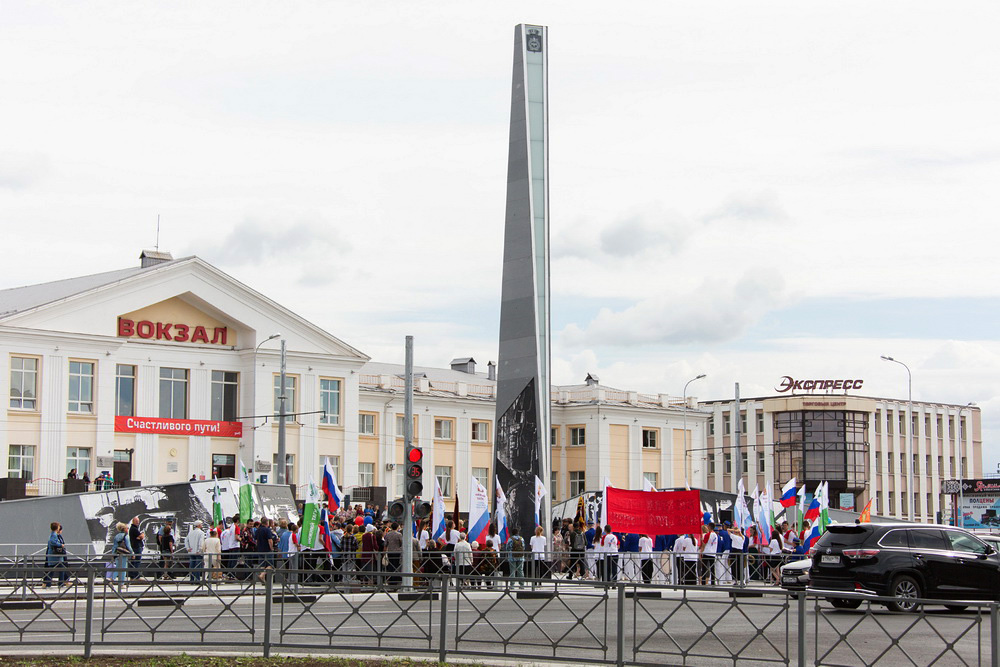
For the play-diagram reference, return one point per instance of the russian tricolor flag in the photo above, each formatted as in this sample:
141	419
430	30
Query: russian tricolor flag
813	537
788	493
812	513
334	498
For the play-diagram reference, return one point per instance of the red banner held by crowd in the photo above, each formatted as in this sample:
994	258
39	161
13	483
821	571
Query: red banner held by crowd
654	512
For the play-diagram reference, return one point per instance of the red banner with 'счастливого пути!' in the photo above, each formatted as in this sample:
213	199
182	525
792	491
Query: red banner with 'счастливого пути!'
654	512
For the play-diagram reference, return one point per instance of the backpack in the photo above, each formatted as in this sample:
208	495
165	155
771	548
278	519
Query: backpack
516	544
579	543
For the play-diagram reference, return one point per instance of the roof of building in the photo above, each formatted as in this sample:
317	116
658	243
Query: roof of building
432	374
18	299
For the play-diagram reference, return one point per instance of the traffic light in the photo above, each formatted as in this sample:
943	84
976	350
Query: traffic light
421	509
414	486
397	509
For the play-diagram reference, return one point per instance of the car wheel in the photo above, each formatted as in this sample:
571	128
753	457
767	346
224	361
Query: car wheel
956	607
843	603
905	590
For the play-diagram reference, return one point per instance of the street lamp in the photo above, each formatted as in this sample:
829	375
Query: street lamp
687	482
253	399
961	468
909	431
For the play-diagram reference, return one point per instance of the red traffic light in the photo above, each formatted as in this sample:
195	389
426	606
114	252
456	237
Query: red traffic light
415	454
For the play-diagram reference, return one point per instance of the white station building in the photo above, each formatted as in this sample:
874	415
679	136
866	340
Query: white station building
170	370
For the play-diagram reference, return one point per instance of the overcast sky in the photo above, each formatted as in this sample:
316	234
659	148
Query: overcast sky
747	190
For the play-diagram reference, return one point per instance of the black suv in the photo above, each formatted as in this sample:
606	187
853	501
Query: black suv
905	562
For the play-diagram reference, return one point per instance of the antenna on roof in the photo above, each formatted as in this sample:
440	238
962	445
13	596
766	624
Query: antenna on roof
157	232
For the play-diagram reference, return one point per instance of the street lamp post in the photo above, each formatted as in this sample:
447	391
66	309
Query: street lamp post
687	482
909	432
961	468
253	399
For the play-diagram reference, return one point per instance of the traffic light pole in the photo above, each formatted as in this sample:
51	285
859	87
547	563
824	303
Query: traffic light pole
407	565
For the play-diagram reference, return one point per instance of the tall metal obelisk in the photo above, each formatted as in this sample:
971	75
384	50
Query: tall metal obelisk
523	402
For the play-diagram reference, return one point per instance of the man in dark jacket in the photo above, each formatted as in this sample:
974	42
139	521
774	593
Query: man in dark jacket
137	539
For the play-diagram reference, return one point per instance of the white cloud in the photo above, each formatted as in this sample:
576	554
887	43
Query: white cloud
715	311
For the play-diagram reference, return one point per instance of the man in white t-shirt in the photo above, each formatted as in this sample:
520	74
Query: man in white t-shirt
685	560
709	547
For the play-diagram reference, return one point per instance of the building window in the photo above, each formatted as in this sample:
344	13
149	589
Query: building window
927	425
443	475
940	465
743	423
289	394
577	482
81	387
902	502
334	462
711	426
889	462
401	422
878	463
902	463
24	383
366	474
480	432
961	428
725	424
891	507
578	436
21	461
916	465
289	467
366	423
649	438
482	476
761	461
225	392
888	422
913	423
125	390
760	421
902	422
711	464
929	510
965	468
927	465
940	427
728	458
173	393
878	421
79	458
553	436
443	429
554	485
651	477
745	463
329	401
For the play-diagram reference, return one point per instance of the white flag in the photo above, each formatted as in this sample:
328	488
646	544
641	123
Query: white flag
647	485
540	493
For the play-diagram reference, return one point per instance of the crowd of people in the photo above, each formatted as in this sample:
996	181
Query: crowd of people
359	545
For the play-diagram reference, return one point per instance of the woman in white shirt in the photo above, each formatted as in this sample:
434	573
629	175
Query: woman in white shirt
538	547
610	549
646	558
737	558
774	557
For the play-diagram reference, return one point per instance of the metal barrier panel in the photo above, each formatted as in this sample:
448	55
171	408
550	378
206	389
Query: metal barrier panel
681	625
533	619
872	634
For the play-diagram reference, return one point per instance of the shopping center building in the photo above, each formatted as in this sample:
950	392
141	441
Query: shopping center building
865	447
168	371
